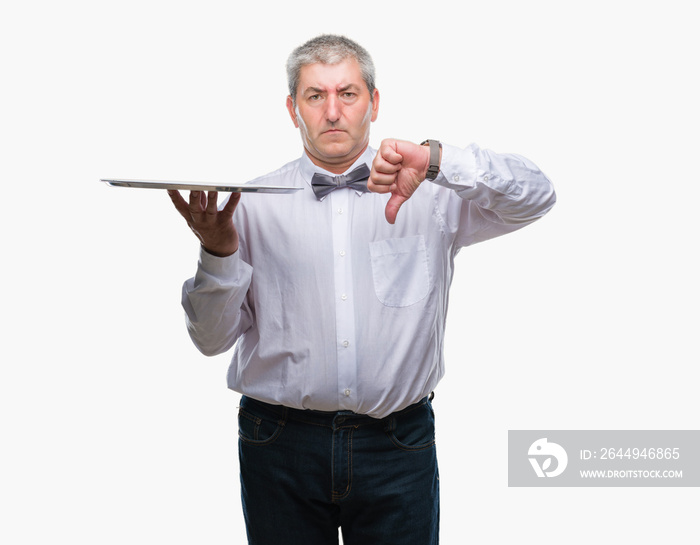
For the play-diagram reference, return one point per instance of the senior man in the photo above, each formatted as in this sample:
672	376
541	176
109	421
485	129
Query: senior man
335	298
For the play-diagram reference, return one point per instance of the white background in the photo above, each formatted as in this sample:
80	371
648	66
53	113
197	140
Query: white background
114	429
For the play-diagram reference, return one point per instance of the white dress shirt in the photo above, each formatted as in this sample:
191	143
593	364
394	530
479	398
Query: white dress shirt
332	308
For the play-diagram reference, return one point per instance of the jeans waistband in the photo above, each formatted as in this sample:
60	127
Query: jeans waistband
324	418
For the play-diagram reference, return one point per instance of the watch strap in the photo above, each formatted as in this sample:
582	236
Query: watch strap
434	166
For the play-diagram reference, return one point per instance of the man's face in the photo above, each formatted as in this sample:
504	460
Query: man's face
333	112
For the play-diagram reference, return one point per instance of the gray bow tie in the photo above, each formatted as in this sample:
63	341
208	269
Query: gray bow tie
323	184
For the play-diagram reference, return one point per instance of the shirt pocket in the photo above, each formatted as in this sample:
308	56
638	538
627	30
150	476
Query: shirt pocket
400	270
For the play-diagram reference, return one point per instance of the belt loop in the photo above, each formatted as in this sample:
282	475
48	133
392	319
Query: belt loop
389	424
431	396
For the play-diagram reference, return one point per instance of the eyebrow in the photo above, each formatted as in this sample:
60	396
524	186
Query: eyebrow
312	90
340	89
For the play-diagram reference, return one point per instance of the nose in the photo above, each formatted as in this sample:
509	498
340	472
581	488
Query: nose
333	108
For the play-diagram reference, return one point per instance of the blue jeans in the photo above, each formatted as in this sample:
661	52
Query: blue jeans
304	474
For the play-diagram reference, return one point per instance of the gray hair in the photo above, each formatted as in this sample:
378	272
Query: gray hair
328	49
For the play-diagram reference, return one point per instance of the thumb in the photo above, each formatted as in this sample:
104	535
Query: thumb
392	207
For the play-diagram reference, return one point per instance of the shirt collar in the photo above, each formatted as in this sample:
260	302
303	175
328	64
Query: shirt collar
308	169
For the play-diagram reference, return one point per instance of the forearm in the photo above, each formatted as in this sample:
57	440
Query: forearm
215	302
508	188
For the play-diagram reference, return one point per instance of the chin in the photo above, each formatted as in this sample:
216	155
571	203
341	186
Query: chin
336	152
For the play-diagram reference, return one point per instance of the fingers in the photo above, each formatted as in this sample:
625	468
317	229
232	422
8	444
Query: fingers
381	183
214	228
398	168
389	151
231	204
388	160
202	205
211	208
202	202
198	202
385	168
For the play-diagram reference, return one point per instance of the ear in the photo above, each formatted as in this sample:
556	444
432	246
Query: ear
292	113
375	105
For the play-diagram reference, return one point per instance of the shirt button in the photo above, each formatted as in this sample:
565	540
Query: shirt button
344	297
486	178
455	178
347	392
340	210
346	343
342	253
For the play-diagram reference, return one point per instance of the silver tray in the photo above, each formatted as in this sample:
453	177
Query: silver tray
201	186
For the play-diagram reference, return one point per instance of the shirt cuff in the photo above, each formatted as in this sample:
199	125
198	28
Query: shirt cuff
230	268
457	168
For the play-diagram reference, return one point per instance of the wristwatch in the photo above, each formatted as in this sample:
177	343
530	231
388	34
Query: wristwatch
434	166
